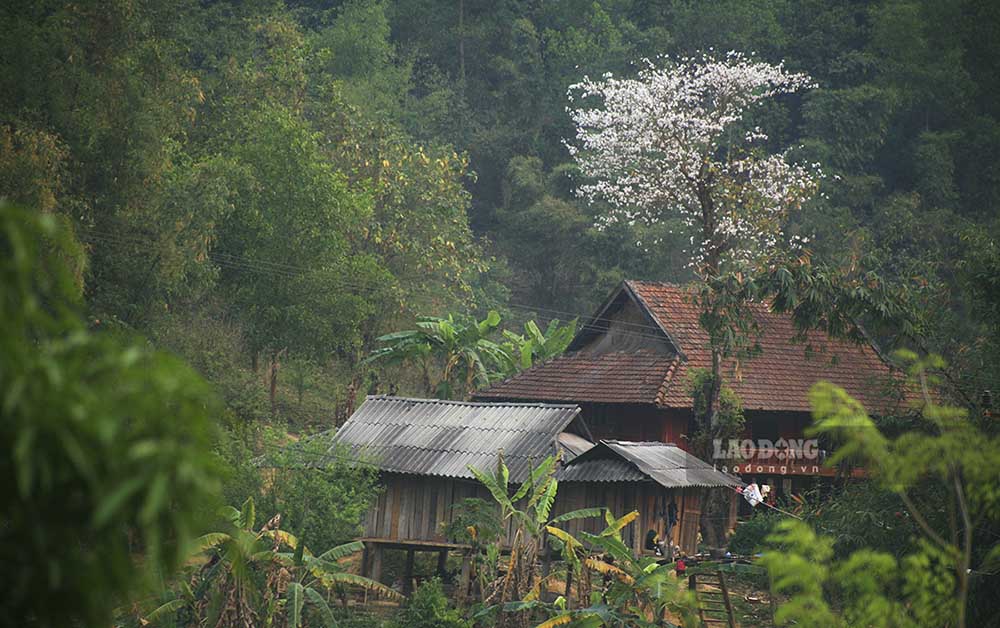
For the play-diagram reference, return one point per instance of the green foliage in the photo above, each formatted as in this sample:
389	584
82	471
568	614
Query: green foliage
289	181
503	580
474	521
455	355
249	572
872	588
729	420
108	464
321	490
929	586
428	607
750	534
640	591
536	347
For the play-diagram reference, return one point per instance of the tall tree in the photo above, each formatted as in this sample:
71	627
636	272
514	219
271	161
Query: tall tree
677	140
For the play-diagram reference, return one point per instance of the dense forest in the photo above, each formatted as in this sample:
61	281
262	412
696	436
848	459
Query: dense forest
266	188
285	181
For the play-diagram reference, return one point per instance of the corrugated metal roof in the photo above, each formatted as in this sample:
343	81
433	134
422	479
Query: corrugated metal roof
444	438
573	445
625	461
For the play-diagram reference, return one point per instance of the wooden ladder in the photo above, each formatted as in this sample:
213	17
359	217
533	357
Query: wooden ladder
712	598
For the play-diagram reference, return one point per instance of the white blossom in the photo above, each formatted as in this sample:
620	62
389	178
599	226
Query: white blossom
668	142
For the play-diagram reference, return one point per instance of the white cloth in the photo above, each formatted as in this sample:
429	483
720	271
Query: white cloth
752	494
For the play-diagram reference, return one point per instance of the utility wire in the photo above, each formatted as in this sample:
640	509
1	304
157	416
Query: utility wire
287	271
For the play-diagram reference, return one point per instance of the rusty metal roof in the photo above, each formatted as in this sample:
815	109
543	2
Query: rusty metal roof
625	461
444	438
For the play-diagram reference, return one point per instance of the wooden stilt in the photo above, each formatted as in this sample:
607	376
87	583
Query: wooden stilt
442	568
376	568
466	577
408	573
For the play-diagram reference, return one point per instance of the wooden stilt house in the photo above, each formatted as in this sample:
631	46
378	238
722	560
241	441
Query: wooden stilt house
424	448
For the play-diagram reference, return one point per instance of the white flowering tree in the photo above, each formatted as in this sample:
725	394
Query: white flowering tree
676	142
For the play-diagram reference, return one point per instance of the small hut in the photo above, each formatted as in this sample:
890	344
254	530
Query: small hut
424	448
664	483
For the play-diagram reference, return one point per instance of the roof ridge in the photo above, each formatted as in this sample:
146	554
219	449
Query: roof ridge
670	284
627	443
449	402
458	427
506	454
661	393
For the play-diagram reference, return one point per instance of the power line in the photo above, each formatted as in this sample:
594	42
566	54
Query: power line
358	285
289	271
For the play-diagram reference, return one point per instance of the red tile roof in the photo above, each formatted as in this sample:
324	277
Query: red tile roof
777	379
617	377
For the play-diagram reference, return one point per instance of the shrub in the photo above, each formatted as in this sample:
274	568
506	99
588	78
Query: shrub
428	608
105	445
750	534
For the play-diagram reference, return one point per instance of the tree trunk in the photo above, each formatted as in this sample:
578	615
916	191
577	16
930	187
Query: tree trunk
461	47
273	368
711	525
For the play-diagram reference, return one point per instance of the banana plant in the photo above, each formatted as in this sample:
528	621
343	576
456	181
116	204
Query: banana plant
534	346
504	580
638	592
455	355
245	576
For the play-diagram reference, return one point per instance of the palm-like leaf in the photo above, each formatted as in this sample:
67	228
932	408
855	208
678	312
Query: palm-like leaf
581	513
295	599
247	514
325	612
615	526
493	486
210	540
336	553
165	610
330	580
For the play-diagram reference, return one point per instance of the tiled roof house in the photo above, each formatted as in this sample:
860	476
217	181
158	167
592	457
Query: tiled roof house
629	370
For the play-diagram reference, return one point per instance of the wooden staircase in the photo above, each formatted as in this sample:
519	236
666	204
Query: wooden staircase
712	598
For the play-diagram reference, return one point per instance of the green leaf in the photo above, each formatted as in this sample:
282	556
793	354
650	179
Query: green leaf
210	540
165	610
295	597
582	513
247	515
490	483
336	553
110	504
156	497
546	501
366	583
324	609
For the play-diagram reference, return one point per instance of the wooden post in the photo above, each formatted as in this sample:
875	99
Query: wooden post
442	570
725	598
465	578
366	562
376	571
408	573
